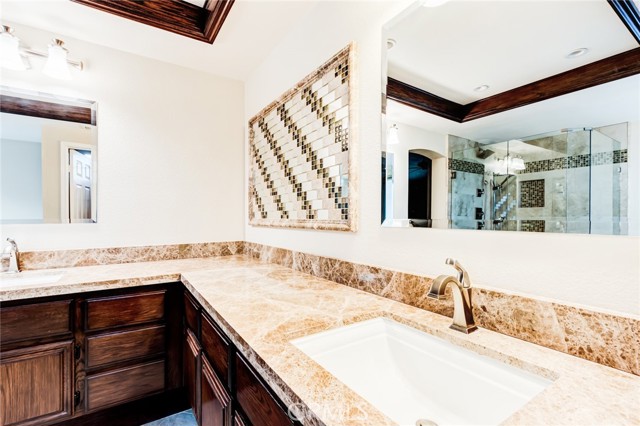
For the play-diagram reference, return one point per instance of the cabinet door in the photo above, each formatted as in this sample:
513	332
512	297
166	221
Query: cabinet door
215	400
36	384
192	371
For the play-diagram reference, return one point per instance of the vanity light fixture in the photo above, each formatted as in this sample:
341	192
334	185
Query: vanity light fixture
577	52
57	65
482	88
517	163
393	138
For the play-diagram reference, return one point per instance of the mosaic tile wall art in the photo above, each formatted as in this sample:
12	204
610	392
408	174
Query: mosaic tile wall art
576	161
301	153
466	166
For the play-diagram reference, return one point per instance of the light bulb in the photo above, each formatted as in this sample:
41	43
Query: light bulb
10	51
57	65
393	136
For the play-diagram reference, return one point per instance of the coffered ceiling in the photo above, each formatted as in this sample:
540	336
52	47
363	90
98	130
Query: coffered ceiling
251	30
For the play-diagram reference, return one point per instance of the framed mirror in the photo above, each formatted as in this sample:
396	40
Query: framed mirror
48	158
507	126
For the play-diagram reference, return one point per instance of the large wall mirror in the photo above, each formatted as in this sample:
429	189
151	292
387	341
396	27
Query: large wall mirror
48	158
499	124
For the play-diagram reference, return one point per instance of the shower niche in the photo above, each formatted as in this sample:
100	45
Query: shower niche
567	181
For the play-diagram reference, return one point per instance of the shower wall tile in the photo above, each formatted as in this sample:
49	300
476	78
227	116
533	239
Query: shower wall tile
532	193
604	338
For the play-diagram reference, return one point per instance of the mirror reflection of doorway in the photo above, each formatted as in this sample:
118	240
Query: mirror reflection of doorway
420	188
77	200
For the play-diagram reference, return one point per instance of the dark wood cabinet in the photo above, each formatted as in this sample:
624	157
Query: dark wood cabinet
66	358
192	370
215	401
36	384
224	389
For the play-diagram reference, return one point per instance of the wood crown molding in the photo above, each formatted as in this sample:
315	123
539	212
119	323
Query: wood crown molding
628	14
177	16
603	71
52	110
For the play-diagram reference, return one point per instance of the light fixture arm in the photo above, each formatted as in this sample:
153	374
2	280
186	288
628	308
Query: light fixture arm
76	64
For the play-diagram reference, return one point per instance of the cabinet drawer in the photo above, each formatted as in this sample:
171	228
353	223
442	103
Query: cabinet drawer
216	348
120	346
191	313
123	385
256	401
127	309
35	321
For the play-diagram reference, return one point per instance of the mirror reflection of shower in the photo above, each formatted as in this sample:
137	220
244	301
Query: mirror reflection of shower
572	180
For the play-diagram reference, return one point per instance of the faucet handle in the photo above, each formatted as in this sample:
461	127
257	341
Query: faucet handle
463	275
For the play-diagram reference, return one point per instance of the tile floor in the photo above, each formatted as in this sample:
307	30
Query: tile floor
184	418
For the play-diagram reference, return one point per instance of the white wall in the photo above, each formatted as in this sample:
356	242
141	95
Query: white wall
170	150
20	180
592	270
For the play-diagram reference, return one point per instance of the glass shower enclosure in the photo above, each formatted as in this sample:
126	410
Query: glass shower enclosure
571	181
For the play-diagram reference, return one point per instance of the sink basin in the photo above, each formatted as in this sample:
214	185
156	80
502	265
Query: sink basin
29	278
410	375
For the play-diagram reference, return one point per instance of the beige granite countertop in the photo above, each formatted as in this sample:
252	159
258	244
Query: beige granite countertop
263	306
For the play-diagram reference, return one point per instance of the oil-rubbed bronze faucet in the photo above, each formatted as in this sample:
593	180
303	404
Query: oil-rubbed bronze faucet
462	313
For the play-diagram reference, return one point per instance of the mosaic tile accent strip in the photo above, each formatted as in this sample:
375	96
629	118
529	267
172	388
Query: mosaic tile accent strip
604	338
109	256
575	161
301	148
466	166
532	193
532	225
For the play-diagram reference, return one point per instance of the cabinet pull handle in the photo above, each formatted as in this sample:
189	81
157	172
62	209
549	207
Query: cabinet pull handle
76	398
76	351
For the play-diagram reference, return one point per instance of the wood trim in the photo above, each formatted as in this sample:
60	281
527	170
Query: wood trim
603	71
42	109
424	101
628	14
176	16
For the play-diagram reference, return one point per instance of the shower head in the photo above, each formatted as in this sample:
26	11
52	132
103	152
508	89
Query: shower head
483	154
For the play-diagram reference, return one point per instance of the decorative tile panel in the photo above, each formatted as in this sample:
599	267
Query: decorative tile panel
576	161
466	166
301	148
532	225
532	193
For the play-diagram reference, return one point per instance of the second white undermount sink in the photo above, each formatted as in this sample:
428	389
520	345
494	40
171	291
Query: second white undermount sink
410	375
29	278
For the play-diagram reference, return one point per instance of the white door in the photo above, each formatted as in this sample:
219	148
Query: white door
79	186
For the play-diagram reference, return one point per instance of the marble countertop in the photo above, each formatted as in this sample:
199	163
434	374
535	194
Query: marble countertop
262	307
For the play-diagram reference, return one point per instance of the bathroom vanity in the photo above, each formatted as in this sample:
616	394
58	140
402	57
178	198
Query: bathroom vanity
216	334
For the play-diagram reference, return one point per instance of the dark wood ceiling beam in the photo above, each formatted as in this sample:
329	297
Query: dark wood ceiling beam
176	16
417	98
606	70
628	14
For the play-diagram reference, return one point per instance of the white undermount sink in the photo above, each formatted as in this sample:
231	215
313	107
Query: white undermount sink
29	278
410	375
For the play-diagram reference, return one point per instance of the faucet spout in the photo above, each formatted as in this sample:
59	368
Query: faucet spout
13	254
462	308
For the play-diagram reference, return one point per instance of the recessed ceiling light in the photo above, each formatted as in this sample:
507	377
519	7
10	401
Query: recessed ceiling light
481	88
390	43
577	52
